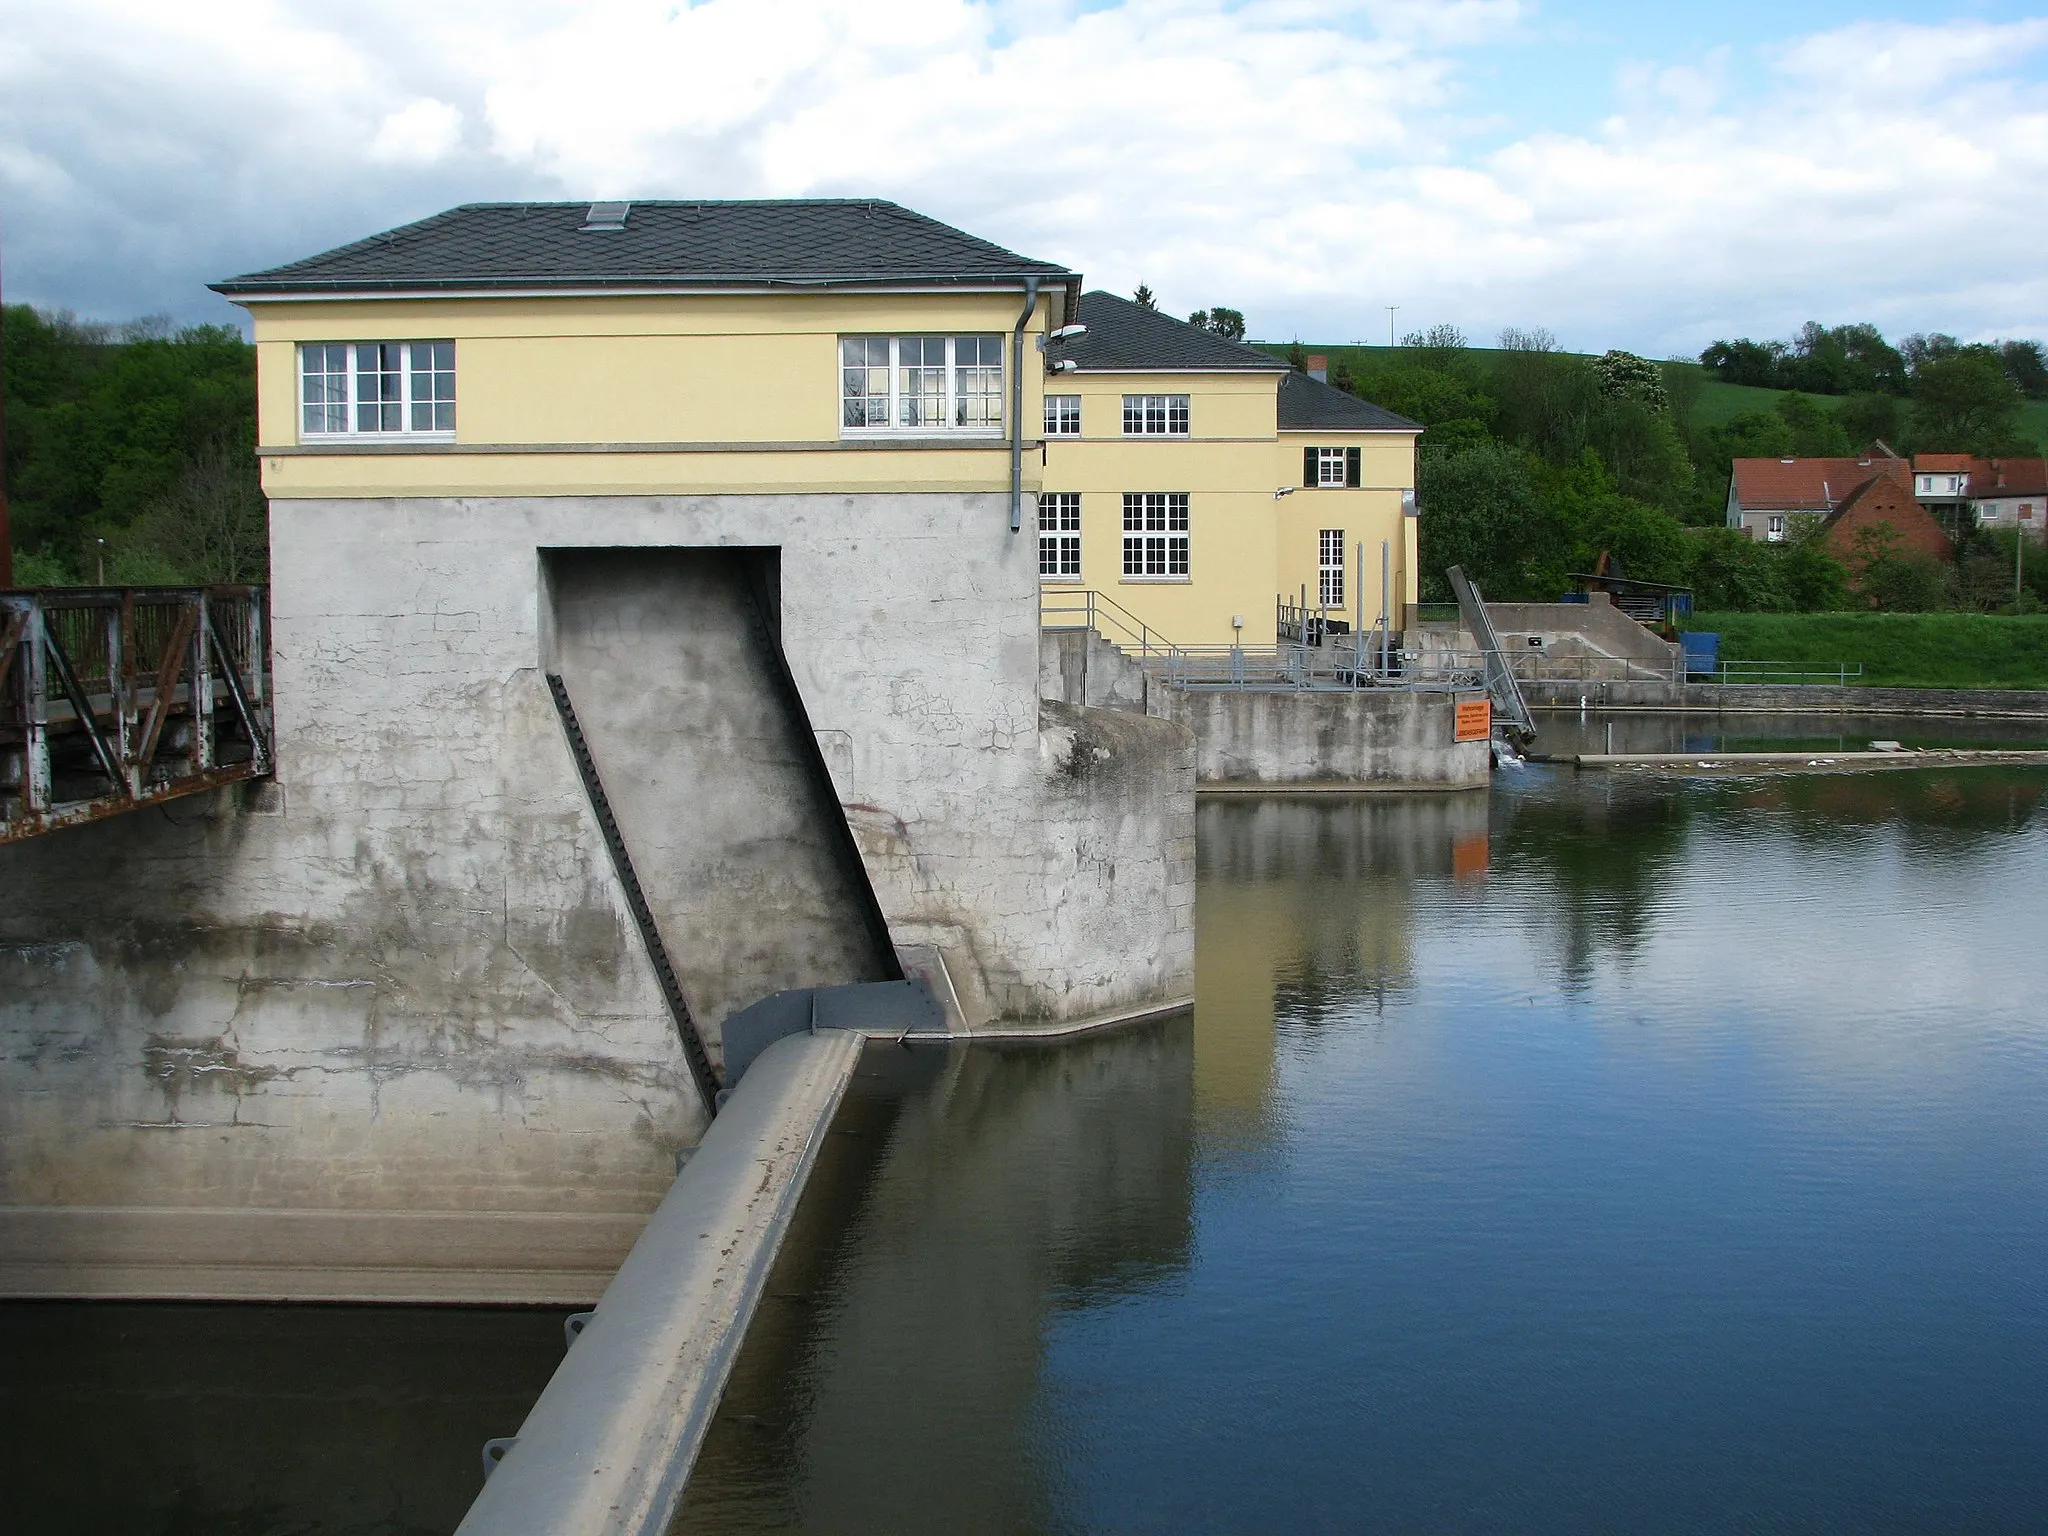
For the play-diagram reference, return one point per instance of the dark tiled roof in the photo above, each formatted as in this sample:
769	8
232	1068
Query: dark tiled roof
1309	405
1123	336
524	245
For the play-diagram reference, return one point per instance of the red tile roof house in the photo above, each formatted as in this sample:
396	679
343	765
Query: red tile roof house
2002	493
1767	496
1884	501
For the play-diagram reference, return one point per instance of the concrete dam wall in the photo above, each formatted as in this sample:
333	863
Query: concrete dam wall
384	1028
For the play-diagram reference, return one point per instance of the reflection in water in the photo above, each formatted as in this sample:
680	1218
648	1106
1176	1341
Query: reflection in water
1305	903
964	1200
1605	1154
257	1420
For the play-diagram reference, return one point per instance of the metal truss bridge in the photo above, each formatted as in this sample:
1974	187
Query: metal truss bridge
114	698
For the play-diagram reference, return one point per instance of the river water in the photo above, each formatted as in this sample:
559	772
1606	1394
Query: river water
1607	1153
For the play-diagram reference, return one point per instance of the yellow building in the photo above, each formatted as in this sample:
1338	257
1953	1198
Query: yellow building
1195	480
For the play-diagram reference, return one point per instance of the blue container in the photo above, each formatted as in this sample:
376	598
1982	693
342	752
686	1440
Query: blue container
1702	654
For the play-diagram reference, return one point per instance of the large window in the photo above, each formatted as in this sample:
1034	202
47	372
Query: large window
1156	535
1062	415
377	388
1059	535
1155	415
1330	467
1330	568
921	384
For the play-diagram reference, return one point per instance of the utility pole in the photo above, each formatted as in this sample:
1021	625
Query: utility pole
1390	325
6	533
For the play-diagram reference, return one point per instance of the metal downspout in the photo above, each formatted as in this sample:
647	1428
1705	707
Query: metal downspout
1017	406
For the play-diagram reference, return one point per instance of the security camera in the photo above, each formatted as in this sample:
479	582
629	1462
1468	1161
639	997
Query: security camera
1065	365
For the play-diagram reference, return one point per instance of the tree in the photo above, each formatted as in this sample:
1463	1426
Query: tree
1867	418
1964	403
1842	360
1813	578
1479	511
1754	363
214	526
1895	579
1227	323
1624	376
104	421
1684	383
1733	573
2026	366
1816	431
1143	298
1297	357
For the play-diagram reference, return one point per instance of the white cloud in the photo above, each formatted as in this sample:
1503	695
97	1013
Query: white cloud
1303	160
418	133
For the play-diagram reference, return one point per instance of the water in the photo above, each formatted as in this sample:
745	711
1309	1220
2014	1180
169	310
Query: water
1609	1156
186	1420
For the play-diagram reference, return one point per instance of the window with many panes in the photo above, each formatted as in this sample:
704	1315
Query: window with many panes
1156	535
1062	415
921	384
377	388
1059	535
1330	467
1155	415
1330	568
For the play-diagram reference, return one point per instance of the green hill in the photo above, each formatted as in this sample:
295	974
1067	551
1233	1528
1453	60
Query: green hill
1718	403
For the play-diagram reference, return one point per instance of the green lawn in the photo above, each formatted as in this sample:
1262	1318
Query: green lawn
1898	650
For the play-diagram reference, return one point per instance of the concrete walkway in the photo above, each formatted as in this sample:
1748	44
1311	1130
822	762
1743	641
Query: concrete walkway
609	1446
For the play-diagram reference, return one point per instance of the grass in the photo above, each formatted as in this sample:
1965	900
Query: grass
1895	650
1718	403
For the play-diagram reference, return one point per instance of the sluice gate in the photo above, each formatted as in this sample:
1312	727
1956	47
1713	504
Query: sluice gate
114	698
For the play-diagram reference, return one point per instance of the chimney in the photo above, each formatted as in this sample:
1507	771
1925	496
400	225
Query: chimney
1319	367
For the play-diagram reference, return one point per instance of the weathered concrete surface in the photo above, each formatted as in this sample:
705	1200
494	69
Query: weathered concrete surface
402	981
609	1445
1328	740
1080	666
707	776
1789	698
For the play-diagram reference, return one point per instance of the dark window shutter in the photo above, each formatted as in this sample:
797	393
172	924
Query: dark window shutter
1308	467
1351	457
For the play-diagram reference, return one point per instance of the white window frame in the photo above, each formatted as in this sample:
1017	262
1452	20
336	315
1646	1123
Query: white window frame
353	402
1059	536
1156	543
1774	528
1330	565
1332	468
953	403
1062	415
1155	415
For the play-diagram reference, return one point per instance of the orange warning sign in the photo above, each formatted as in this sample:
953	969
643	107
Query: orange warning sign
1475	719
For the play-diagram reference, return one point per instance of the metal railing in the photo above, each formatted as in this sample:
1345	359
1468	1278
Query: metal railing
117	697
1071	608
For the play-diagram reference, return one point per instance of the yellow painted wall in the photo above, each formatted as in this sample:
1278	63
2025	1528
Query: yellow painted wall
1246	546
616	371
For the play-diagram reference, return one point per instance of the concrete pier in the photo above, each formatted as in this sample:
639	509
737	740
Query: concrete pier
609	1445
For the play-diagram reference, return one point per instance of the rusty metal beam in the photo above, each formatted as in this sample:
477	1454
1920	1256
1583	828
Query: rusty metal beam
88	719
76	813
167	669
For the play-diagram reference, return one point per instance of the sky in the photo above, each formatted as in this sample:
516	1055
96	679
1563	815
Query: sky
1646	176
